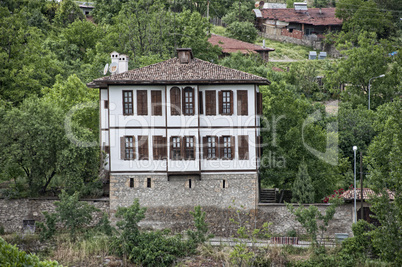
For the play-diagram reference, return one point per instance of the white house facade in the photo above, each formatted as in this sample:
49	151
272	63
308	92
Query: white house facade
182	132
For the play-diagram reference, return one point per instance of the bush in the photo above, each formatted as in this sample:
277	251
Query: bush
244	31
11	256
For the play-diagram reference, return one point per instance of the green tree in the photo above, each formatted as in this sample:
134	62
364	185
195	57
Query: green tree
239	12
244	31
303	190
67	13
385	161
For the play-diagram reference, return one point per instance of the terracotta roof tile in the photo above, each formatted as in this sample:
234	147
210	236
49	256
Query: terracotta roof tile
230	45
367	194
172	72
313	16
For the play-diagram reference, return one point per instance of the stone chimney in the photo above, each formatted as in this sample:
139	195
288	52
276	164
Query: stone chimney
185	55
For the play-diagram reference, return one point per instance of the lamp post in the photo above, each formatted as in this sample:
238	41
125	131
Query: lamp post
355	212
382	75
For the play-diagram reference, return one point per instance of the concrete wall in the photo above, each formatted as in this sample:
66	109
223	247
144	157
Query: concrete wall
14	211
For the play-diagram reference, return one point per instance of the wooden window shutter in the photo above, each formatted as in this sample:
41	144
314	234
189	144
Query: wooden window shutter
210	102
175	106
143	147
242	102
259	104
205	147
155	147
231	102
123	147
221	147
156	102
142	103
243	147
164	147
232	144
200	103
182	146
220	94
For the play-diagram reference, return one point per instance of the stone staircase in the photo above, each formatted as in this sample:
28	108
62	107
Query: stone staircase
268	195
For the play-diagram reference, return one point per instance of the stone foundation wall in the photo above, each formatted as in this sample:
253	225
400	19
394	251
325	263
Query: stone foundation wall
218	219
14	211
240	190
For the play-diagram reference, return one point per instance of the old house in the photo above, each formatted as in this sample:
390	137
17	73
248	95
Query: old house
230	45
180	133
299	25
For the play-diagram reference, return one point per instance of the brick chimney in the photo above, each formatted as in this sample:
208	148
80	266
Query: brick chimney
185	55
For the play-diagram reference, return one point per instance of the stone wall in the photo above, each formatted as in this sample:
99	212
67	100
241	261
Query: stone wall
240	190
293	34
14	211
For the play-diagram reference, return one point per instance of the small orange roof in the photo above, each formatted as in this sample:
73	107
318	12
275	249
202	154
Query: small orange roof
230	45
367	194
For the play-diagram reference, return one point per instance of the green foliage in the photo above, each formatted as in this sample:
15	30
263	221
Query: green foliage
313	221
67	13
155	248
200	235
11	256
239	12
303	190
361	243
244	31
48	228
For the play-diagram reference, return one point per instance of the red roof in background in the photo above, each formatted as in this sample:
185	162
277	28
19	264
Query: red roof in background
313	16
230	45
367	193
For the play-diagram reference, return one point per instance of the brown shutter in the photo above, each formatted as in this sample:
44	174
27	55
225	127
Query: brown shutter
156	103
259	104
183	102
200	103
175	101
134	150
220	147
143	147
242	102
216	147
205	146
220	102
122	147
231	102
182	146
142	103
210	102
156	147
232	144
243	147
164	147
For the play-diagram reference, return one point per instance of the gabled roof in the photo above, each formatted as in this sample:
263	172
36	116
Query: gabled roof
313	16
230	45
367	194
172	72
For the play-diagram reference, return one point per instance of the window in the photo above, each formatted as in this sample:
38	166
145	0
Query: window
107	149
227	147
175	107
243	147
156	103
226	102
210	145
106	104
127	102
259	104
189	147
210	102
259	146
143	147
149	183
142	103
242	103
159	147
127	147
175	148
188	101
223	183
189	183
131	182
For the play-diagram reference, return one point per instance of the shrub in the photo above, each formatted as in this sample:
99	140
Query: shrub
244	31
11	256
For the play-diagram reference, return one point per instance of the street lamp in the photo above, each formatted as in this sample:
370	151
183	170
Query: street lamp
354	153
382	75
